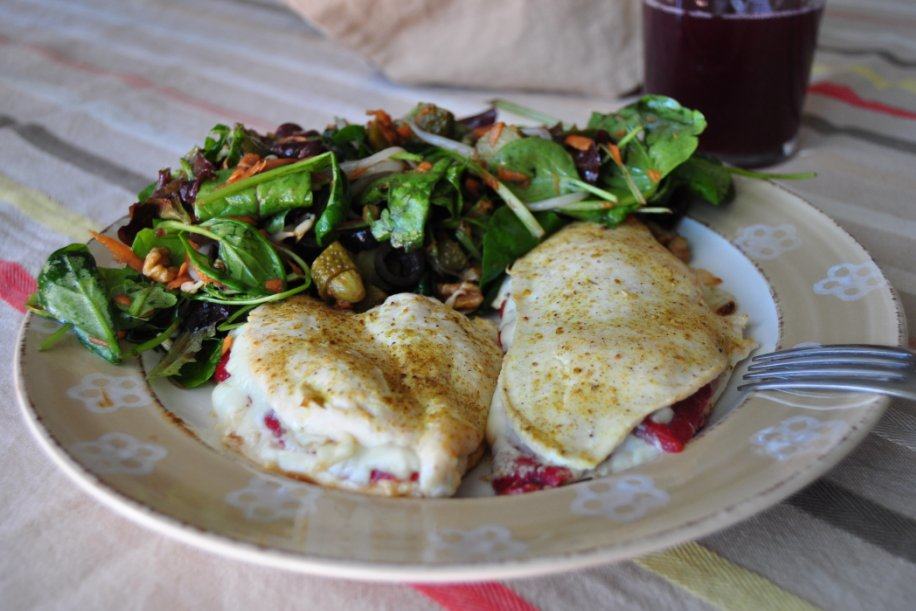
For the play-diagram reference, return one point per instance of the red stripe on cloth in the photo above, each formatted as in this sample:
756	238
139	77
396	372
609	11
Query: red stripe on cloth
16	284
137	82
846	94
475	597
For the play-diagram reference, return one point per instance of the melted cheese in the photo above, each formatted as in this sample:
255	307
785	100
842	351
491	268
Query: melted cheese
401	389
609	328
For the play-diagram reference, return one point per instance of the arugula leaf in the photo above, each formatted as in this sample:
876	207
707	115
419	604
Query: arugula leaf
149	238
249	258
544	161
224	146
448	193
705	177
145	296
71	290
183	350
611	217
403	222
506	239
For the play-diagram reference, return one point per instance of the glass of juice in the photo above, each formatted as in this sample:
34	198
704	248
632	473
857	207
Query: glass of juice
743	63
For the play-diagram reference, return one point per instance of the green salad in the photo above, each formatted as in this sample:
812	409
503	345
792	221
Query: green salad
427	203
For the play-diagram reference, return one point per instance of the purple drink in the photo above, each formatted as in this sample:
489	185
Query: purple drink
744	63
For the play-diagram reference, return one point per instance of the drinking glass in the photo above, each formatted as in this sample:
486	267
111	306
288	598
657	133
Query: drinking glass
744	64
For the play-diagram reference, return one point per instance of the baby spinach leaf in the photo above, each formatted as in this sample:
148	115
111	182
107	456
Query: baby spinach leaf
71	290
506	239
335	211
202	263
145	296
349	134
670	131
433	119
265	198
198	371
544	161
267	193
403	222
249	258
705	177
276	223
275	191
149	238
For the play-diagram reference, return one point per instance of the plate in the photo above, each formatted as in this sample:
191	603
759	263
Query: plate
149	452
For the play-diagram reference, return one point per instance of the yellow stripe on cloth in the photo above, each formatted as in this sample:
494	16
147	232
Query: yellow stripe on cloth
44	210
718	581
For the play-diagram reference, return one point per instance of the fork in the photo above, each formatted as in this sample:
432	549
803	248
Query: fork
884	370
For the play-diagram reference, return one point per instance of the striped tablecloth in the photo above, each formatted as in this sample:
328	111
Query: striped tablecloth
96	95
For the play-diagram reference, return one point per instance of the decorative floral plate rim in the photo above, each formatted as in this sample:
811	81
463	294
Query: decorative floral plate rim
502	553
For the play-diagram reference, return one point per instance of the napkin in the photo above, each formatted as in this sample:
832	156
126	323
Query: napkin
574	46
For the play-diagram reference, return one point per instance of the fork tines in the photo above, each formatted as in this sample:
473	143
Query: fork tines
860	368
862	350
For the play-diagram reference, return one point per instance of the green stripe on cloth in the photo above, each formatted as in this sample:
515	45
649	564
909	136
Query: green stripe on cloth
719	582
44	210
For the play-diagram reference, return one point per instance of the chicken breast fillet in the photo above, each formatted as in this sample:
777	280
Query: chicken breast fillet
392	401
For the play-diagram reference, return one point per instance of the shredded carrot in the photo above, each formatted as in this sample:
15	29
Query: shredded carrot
615	154
496	131
404	131
122	299
270	164
274	285
251	164
182	276
490	180
226	345
580	143
245	167
424	166
178	281
204	277
507	175
250	220
120	251
386	125
379	115
480	132
654	175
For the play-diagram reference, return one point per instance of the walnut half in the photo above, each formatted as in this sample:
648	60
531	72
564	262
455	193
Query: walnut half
463	296
155	265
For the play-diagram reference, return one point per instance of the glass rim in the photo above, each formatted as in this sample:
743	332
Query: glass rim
803	6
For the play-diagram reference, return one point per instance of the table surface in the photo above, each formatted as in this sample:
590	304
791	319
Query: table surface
96	95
